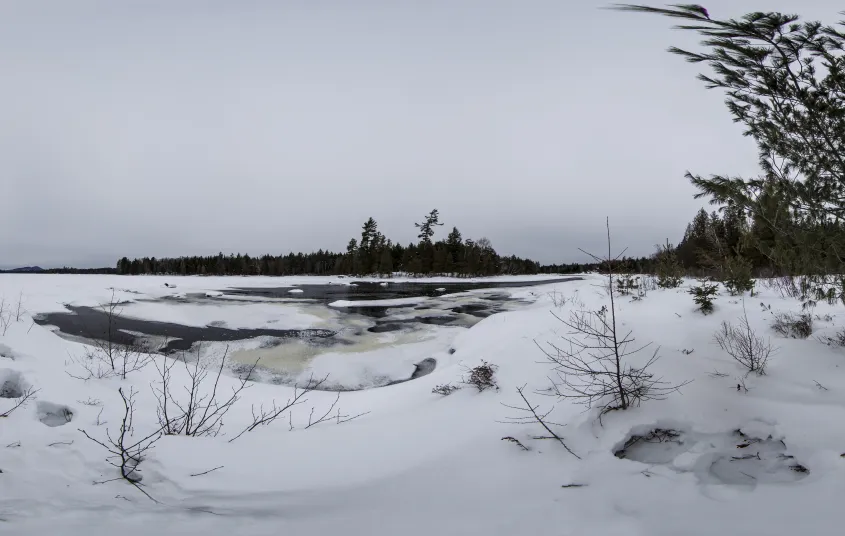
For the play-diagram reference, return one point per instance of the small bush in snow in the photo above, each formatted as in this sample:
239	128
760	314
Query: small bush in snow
482	377
703	296
793	326
445	390
743	344
667	267
737	275
627	285
837	339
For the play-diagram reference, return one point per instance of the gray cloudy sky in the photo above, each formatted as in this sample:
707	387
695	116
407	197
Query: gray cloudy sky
160	128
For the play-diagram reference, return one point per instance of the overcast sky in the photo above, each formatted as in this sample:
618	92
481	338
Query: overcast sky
166	128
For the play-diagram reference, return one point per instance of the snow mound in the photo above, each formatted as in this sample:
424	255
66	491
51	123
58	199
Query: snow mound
53	415
6	352
213	294
12	384
296	291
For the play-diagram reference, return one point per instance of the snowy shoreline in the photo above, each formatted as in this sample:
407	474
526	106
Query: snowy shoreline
412	447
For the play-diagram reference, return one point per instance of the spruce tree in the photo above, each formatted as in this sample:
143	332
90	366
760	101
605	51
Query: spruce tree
427	227
784	80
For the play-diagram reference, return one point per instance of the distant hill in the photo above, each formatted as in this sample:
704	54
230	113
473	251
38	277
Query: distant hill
24	270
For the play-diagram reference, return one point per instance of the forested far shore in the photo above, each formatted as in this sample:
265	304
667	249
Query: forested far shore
371	254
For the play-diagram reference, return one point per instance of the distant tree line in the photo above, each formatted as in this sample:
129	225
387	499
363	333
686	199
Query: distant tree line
372	253
624	265
63	270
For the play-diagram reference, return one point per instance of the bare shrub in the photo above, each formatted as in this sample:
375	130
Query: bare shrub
198	411
794	326
837	339
743	344
445	390
482	377
125	453
262	416
560	300
591	367
106	357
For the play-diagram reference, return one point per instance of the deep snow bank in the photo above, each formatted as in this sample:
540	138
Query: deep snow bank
420	464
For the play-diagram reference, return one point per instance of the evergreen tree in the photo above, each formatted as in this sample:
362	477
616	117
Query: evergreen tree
386	263
785	82
427	227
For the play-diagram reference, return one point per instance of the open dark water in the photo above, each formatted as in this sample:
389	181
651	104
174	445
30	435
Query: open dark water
94	323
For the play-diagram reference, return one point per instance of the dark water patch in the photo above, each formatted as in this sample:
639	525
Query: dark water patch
93	323
402	324
371	311
386	327
480	310
367	290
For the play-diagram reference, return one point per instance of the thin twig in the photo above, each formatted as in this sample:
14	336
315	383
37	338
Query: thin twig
206	472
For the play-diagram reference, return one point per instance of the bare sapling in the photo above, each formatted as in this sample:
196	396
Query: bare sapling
126	453
592	365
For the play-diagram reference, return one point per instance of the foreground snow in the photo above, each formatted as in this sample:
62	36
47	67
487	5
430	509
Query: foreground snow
419	463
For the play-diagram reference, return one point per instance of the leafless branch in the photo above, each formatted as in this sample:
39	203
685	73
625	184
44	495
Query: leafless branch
206	472
533	416
27	395
264	417
820	386
515	441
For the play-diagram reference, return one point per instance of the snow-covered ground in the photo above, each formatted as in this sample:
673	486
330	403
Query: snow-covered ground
420	463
